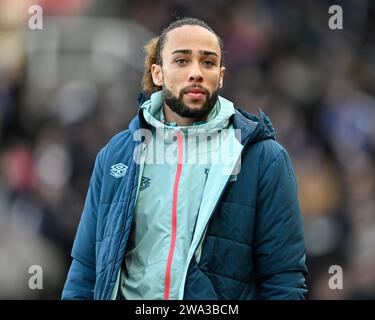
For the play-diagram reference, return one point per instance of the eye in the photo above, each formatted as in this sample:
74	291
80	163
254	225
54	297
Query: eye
181	61
208	63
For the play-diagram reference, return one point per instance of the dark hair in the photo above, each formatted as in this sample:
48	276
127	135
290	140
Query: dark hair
155	47
179	23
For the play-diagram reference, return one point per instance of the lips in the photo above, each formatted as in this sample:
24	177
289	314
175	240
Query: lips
195	90
195	93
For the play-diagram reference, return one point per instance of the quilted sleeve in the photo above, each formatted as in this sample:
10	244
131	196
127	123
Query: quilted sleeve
80	281
280	266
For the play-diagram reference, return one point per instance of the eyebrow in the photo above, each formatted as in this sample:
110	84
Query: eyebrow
202	52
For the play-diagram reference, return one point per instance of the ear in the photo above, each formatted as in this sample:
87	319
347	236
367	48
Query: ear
221	81
157	75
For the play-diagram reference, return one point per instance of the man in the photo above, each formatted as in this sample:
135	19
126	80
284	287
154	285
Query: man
172	215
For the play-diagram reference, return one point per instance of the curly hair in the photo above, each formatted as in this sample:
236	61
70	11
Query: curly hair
147	82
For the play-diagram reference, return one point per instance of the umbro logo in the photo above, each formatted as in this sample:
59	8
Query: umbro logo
145	182
118	170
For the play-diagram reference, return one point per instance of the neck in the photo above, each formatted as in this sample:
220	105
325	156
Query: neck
172	116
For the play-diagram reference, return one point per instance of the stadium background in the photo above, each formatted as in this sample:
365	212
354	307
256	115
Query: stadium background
66	89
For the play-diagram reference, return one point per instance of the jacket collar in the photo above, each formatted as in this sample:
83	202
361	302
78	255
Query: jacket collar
253	129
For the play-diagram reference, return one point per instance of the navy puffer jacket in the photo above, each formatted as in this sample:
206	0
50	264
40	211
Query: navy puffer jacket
253	247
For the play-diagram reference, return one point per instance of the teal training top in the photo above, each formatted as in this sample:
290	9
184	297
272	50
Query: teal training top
168	200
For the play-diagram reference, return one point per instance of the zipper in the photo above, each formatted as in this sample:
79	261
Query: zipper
174	215
206	171
206	226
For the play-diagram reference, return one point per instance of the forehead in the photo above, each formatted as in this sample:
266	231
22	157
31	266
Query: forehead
192	38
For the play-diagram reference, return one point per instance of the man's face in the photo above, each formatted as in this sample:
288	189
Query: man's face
190	74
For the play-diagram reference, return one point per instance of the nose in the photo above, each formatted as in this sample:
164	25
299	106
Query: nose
195	73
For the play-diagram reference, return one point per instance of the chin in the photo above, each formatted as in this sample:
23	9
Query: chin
195	104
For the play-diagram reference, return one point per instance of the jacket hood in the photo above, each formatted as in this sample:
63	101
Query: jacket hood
253	129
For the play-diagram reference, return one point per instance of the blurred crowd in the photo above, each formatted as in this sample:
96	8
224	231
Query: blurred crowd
66	89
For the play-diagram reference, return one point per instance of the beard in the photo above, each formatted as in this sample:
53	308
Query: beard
178	106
